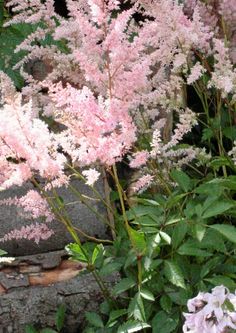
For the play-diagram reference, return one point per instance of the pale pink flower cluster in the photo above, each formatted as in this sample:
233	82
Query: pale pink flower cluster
139	159
33	205
26	146
98	129
224	74
196	72
91	176
35	232
213	312
142	184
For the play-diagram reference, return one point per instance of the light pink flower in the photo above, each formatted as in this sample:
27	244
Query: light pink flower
139	159
91	176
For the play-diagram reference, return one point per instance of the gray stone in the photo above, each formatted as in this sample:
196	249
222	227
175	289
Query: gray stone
37	303
11	218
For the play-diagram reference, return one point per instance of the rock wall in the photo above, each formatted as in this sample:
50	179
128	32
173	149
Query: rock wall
81	216
32	287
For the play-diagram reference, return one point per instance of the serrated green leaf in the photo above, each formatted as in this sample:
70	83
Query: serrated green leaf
147	294
182	179
179	233
136	308
76	252
114	315
110	268
137	240
95	254
209	265
166	303
60	317
30	329
187	249
123	285
165	237
218	208
222	280
228	231
163	323
132	326
199	231
94	319
174	274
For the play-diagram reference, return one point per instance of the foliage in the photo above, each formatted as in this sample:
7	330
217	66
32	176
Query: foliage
119	90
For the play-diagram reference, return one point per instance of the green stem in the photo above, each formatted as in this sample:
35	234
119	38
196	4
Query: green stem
100	217
99	196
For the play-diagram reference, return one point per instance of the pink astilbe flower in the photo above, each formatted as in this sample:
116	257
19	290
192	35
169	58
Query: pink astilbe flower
209	312
224	75
91	176
139	159
35	232
98	129
187	120
196	72
142	184
26	146
33	205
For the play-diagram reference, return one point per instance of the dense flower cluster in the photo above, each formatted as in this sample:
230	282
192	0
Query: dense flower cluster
213	312
111	81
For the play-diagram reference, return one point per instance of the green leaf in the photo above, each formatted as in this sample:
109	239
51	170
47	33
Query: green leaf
76	252
226	230
174	274
115	315
110	268
95	253
219	207
222	280
163	323
137	240
207	134
190	249
182	179
2	252
218	162
123	285
60	317
230	132
30	329
136	308
147	294
179	233
165	237
209	265
229	305
48	330
94	319
132	326
199	231
166	303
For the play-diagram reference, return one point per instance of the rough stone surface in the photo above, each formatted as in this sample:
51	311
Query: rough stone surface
36	303
81	216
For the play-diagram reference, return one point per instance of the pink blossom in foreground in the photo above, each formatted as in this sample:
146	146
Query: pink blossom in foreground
91	176
139	159
142	184
26	146
35	232
33	205
210	312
